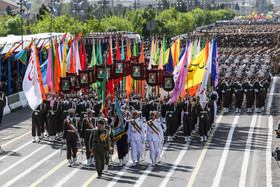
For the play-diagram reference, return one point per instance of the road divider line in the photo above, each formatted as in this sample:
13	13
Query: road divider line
222	163
271	93
30	169
140	181
48	174
15	139
242	181
203	153
21	160
175	165
268	153
14	151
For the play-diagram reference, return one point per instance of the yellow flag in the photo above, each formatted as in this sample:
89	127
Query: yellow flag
196	70
177	52
64	62
154	50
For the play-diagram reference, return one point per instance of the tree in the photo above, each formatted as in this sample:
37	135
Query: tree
237	7
42	11
270	6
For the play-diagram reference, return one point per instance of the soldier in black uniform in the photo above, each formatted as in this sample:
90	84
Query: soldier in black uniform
37	122
238	92
122	145
202	112
53	120
71	135
248	88
170	117
99	144
260	88
88	125
227	92
188	119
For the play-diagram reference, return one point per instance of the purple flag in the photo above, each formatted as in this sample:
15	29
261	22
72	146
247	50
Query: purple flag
180	82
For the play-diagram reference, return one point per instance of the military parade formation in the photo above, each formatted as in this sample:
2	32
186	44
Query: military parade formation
77	119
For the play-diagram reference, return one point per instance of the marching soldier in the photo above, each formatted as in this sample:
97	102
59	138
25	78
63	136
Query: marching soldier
154	137
135	135
202	112
122	145
226	90
238	92
37	123
170	116
89	124
260	87
248	88
188	119
111	144
71	135
99	145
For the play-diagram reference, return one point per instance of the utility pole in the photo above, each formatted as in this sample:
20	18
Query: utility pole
23	15
112	6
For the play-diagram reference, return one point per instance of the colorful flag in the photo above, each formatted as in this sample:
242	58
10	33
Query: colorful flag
64	61
92	62
31	82
49	75
180	82
170	67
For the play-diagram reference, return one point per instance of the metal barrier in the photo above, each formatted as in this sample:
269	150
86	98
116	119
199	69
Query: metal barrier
14	102
7	109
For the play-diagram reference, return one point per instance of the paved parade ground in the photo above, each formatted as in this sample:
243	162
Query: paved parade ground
237	153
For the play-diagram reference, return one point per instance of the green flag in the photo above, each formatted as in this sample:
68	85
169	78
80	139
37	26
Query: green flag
193	51
157	56
92	63
134	49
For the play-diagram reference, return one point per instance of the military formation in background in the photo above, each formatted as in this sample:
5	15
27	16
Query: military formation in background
246	65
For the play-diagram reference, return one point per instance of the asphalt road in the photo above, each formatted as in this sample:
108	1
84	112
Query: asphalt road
238	153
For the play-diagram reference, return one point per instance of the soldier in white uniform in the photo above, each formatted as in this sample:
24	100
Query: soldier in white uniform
135	135
163	126
154	137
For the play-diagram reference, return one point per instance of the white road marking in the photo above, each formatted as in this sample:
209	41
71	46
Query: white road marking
140	181
120	174
271	92
21	160
14	151
220	170
175	165
242	181
30	169
67	177
268	152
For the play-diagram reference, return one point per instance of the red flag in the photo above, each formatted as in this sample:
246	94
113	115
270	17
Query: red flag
118	57
72	65
81	53
109	84
142	54
84	56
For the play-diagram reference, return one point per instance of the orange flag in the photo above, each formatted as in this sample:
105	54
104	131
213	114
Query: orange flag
40	74
141	60
128	80
57	70
72	66
175	53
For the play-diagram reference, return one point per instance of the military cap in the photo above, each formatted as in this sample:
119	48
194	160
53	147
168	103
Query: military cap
227	75
261	74
101	121
90	111
238	75
250	74
71	111
86	96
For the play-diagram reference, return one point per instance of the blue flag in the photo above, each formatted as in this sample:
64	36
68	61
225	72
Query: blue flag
214	62
169	67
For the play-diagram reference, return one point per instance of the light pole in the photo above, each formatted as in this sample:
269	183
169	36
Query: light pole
136	4
23	15
54	6
77	10
159	5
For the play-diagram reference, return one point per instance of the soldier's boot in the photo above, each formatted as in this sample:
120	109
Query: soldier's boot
139	160
121	162
74	160
171	139
38	138
105	169
208	133
257	110
225	110
251	110
248	110
205	138
189	138
46	133
134	163
69	162
153	163
158	160
34	139
262	109
236	110
201	138
186	139
213	125
240	110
